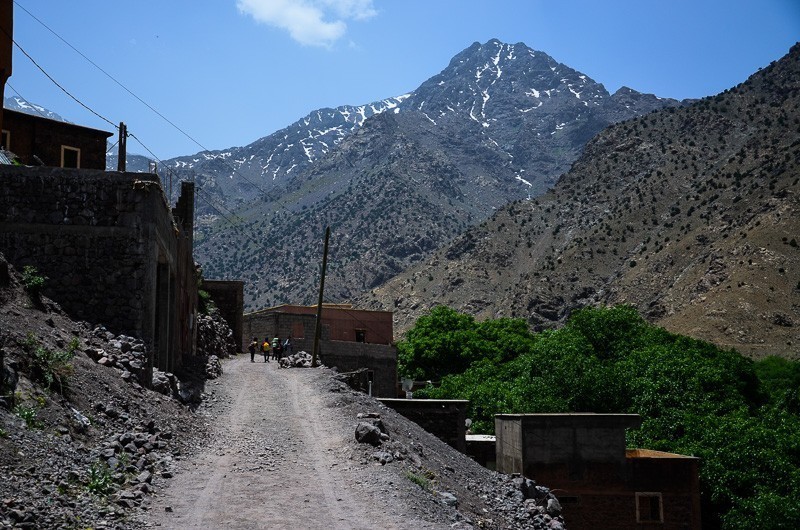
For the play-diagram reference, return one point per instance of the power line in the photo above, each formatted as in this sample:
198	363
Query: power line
139	99
151	108
35	109
67	92
126	89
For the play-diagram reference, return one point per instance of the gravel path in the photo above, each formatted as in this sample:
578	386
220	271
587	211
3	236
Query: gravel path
279	457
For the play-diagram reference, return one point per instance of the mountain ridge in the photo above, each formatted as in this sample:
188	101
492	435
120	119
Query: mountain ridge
690	214
499	124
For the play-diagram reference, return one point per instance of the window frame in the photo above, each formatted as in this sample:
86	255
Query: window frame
649	495
76	150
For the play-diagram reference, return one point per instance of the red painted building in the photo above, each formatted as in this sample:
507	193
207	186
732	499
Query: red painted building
340	322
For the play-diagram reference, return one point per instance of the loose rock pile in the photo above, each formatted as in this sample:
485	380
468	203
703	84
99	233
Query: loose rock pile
126	354
214	336
81	454
529	505
300	359
133	458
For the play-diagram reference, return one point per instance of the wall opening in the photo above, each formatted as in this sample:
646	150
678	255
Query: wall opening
70	156
649	508
162	327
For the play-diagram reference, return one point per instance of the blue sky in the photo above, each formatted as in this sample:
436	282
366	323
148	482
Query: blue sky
228	72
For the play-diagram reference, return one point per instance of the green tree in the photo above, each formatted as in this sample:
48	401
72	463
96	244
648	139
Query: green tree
741	418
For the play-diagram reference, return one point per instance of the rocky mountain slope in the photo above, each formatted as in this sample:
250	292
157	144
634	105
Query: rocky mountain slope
691	214
399	178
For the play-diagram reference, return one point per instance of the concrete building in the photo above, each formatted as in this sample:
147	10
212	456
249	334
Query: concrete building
351	338
600	483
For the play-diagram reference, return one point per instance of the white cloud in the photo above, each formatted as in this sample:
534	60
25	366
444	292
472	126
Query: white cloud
309	22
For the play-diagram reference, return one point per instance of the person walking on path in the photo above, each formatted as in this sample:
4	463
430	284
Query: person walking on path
287	346
277	348
253	346
265	349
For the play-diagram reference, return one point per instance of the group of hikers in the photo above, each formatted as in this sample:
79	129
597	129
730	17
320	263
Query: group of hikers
278	348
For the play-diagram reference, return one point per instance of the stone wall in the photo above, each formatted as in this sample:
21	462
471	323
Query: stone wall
444	418
110	249
380	359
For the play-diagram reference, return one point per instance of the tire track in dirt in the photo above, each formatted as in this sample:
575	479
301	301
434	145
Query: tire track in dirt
271	461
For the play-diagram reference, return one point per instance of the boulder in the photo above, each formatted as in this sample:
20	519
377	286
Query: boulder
367	433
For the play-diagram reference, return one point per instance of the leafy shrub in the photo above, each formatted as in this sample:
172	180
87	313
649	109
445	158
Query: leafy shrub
28	414
205	304
50	367
31	279
101	481
423	480
73	346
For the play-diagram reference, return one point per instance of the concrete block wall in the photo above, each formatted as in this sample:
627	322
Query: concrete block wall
444	418
583	456
381	359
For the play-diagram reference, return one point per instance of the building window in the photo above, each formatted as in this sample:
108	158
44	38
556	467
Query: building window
70	156
5	140
649	508
297	331
361	335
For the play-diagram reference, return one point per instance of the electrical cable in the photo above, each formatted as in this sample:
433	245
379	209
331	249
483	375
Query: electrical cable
150	107
35	109
67	92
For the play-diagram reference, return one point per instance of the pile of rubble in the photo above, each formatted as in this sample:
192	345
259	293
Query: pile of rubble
530	505
300	359
84	452
126	354
214	336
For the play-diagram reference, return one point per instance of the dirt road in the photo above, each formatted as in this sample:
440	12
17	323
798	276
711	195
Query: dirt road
279	457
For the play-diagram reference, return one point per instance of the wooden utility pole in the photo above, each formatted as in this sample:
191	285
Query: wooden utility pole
123	137
318	330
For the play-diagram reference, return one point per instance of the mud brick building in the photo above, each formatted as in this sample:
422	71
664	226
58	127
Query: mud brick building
351	338
41	141
600	483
